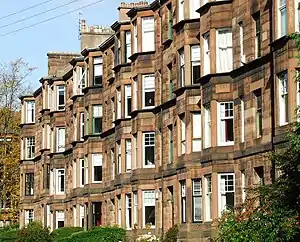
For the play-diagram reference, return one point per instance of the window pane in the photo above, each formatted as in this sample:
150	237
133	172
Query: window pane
150	215
149	155
149	99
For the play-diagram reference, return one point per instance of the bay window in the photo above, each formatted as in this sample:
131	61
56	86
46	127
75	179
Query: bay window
61	98
283	98
197	132
148	90
181	67
29	184
282	18
148	38
60	139
97	119
97	168
128	214
206	49
30	147
30	111
183	201
149	148
226	191
225	125
208	198
128	154
197	200
207	126
149	208
128	100
60	181
98	71
224	53
195	63
127	46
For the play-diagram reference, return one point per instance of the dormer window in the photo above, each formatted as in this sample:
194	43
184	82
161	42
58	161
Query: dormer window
30	111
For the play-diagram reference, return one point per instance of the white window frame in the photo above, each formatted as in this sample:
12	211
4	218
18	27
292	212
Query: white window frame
206	50
113	162
197	195
60	217
222	117
30	111
148	140
242	54
208	198
119	156
135	35
242	119
207	126
82	172
96	162
282	31
181	7
86	175
127	97
197	132
60	139
59	174
97	114
283	98
224	63
30	147
128	150
194	5
183	202
135	208
181	67
81	128
183	135
243	185
195	61
29	216
98	65
119	104
74	173
75	215
60	89
149	202
223	190
148	43
127	46
128	209
149	88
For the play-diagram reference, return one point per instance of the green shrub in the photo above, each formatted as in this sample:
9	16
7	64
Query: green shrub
65	232
98	234
172	234
35	232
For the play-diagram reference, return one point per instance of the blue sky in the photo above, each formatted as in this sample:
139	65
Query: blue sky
61	34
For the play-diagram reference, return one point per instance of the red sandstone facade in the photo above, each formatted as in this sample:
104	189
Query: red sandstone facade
165	122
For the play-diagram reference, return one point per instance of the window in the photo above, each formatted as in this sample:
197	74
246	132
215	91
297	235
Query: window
197	200
226	135
97	168
29	216
98	71
148	34
47	176
86	161
171	152
181	68
97	119
242	55
180	10
195	63
207	126
194	5
79	79
226	192
183	201
170	81
134	151
119	207
197	126
113	162
134	37
128	211
74	174
283	98
60	181
96	210
259	176
60	141
81	125
82	170
128	100
74	216
135	91
112	103
119	156
87	120
258	98
182	141
282	18
128	154
208	198
297	18
149	208
243	185
149	91
60	219
127	46
224	50
135	208
30	147
242	119
81	220
149	146
118	52
257	32
170	22
60	98
206	61
30	111
119	104
29	184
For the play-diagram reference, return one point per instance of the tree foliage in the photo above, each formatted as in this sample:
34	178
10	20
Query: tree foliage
13	84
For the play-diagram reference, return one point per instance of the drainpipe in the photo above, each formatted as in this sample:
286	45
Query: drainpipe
272	86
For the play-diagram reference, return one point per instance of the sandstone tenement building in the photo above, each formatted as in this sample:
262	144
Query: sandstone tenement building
164	122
